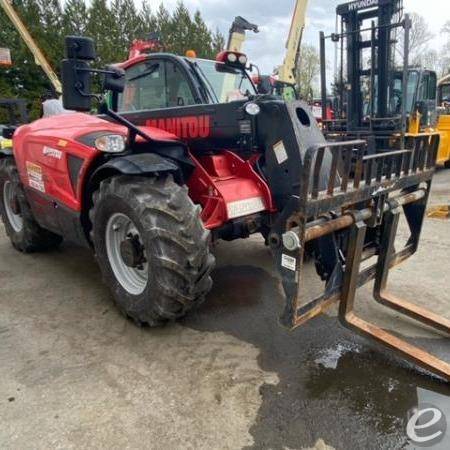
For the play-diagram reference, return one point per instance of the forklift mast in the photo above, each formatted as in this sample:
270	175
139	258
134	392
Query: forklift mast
367	61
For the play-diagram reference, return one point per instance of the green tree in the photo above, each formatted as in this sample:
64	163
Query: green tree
101	27
50	30
127	26
218	42
24	79
113	24
147	20
308	72
164	25
202	38
75	18
182	30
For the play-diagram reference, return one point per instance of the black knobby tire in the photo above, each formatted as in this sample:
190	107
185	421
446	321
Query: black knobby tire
175	246
30	237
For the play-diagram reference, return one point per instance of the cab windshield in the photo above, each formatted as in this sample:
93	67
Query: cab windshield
223	83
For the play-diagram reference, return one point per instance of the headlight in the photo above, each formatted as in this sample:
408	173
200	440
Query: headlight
252	109
111	143
243	60
232	57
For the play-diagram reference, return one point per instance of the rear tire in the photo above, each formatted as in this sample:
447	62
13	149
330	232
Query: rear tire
24	232
447	164
152	248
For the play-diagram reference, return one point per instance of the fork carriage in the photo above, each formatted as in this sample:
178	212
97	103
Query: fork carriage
365	195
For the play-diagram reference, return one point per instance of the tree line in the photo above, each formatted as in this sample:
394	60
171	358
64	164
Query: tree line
113	24
421	54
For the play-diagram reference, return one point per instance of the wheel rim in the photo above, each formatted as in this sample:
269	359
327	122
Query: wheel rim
15	220
120	228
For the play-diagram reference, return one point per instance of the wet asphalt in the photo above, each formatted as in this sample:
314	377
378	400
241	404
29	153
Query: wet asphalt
332	384
76	374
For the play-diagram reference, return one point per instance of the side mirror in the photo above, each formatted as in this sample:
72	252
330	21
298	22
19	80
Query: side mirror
264	86
114	80
76	85
8	132
77	73
76	76
79	47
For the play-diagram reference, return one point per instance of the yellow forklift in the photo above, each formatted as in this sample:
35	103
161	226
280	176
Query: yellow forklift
443	124
388	102
381	99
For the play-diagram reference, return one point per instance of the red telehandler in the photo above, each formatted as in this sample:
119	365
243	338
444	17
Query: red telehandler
185	152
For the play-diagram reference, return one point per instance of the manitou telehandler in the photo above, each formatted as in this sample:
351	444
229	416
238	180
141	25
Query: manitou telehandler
188	153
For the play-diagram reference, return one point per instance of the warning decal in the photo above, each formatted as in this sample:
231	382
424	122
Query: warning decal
280	152
288	262
35	177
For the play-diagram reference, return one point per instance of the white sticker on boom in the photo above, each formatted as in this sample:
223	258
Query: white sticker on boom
52	152
280	152
288	262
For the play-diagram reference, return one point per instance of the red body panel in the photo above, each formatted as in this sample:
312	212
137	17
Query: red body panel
42	148
221	180
225	185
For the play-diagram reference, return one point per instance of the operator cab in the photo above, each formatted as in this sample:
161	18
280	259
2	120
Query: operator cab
420	96
161	81
444	98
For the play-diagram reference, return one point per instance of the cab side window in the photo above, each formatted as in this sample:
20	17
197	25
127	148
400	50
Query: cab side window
144	88
432	86
423	88
178	92
155	85
428	87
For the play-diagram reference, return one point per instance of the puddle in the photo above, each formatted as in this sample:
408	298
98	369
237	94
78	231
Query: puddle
333	384
329	358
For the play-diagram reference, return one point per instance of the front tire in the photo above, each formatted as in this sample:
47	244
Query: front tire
24	232
152	247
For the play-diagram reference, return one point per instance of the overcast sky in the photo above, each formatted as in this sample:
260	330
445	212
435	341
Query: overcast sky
274	16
